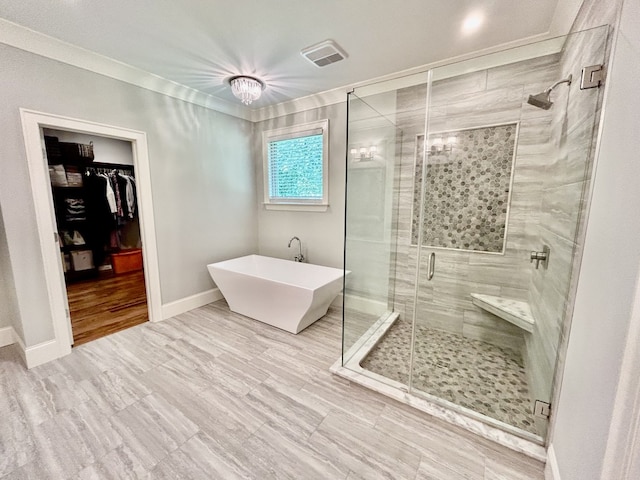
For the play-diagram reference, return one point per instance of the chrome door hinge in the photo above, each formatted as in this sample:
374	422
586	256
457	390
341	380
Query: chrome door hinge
66	311
541	409
592	77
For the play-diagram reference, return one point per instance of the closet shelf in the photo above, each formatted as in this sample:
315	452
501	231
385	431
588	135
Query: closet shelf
67	248
513	311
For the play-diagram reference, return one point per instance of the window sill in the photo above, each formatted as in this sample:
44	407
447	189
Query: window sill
297	207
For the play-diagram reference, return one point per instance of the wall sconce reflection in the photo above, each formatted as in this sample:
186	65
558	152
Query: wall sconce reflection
363	154
442	145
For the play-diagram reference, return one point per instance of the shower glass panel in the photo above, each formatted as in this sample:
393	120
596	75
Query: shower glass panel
370	218
502	178
487	206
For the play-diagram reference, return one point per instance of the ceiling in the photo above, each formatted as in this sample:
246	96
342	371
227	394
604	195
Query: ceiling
200	43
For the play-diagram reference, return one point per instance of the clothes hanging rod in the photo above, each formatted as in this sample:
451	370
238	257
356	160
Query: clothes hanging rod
115	166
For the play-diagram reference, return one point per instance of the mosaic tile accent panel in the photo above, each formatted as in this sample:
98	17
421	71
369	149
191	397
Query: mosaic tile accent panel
467	191
473	374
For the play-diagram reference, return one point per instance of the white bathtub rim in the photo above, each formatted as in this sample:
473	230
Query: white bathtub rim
280	282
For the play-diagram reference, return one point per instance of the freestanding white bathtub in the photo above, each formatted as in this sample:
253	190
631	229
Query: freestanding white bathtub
286	294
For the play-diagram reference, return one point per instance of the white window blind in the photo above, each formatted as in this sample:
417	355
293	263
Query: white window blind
296	165
295	168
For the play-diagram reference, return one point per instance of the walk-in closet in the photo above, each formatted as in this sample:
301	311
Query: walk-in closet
94	193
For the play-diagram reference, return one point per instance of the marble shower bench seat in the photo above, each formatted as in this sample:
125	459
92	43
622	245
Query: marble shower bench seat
513	311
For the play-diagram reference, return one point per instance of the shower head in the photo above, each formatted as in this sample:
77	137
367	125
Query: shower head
543	100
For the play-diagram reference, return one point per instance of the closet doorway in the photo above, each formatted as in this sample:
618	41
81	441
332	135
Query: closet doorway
94	194
33	125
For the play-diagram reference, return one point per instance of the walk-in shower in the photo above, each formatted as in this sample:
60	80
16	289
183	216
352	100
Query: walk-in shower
454	181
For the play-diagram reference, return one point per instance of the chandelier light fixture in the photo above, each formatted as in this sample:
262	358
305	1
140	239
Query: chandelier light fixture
246	88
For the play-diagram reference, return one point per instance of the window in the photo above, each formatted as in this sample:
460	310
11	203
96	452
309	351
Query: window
296	167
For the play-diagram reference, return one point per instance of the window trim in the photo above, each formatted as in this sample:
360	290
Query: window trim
300	130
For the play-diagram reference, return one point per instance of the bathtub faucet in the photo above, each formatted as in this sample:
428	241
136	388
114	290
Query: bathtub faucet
299	257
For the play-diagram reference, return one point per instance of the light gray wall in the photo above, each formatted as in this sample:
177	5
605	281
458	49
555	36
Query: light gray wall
321	233
610	266
8	304
202	176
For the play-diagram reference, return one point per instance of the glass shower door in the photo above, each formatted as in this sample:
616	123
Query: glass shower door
499	193
370	221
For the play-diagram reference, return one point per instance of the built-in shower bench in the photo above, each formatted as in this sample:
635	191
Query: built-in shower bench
513	311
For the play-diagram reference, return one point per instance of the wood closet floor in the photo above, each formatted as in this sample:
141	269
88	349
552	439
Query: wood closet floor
106	305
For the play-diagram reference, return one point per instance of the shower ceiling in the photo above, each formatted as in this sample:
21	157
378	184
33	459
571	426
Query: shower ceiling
200	43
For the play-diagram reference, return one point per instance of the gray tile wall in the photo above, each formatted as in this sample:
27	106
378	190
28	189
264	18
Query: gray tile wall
494	96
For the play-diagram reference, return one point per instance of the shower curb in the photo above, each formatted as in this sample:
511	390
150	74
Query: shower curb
494	430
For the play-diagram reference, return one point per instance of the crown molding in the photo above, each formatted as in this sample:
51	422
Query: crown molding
38	43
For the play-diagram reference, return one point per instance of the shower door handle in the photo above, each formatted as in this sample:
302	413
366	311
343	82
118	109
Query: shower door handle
431	265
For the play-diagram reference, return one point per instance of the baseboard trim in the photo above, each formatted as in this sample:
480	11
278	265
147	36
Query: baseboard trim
7	336
189	303
38	354
551	470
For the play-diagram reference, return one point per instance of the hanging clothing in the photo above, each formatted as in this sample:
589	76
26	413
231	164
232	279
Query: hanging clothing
109	193
128	204
132	195
100	218
116	190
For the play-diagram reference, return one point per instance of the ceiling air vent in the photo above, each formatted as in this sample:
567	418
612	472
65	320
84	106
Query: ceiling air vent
324	53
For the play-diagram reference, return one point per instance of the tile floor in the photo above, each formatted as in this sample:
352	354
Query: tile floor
476	375
213	395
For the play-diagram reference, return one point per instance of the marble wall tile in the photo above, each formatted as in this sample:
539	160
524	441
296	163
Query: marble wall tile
454	88
540	70
483	326
560	209
440	318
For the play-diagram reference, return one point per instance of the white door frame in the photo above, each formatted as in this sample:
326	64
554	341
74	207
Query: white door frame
32	124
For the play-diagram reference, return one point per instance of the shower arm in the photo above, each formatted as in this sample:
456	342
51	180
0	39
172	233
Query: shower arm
559	82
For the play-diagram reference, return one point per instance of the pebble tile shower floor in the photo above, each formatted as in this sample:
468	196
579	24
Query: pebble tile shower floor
473	374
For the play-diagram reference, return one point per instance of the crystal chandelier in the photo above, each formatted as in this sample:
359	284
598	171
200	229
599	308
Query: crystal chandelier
247	89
